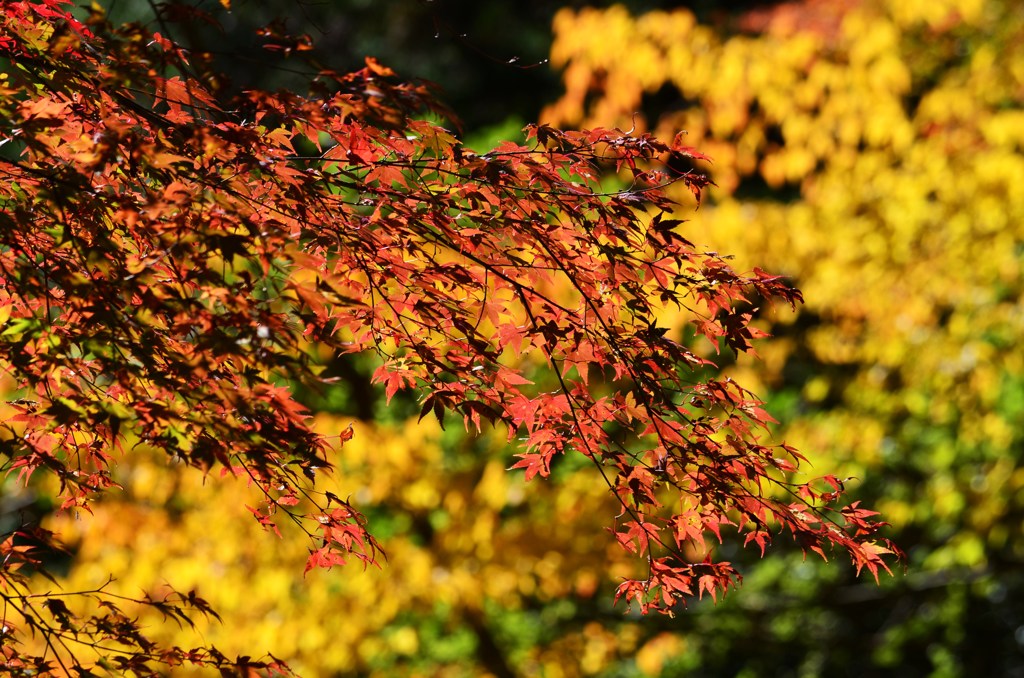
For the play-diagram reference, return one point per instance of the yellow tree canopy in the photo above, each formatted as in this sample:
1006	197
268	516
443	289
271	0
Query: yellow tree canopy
872	151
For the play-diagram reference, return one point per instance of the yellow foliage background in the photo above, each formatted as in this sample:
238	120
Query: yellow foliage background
873	155
871	151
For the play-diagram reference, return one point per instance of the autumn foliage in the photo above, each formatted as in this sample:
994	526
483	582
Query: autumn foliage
174	265
869	150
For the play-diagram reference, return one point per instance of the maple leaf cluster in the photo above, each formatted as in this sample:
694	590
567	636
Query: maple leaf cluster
170	263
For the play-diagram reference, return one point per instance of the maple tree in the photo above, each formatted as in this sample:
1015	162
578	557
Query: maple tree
175	267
